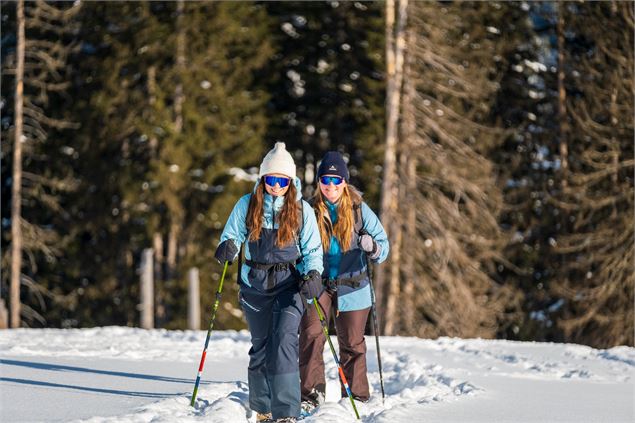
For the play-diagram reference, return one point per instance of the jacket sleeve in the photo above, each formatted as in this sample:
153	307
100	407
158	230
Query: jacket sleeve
236	226
373	226
310	242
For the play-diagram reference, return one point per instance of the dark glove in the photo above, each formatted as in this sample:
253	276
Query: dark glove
226	251
311	285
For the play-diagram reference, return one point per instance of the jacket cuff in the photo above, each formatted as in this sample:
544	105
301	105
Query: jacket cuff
374	255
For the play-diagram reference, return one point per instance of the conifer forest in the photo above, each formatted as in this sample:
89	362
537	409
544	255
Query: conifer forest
494	140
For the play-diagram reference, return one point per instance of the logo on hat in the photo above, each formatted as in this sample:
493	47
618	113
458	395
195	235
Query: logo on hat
332	167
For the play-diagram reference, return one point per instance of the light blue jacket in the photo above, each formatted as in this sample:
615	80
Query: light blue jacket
309	245
349	298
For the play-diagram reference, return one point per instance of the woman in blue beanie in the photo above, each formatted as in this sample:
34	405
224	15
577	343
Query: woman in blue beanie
351	236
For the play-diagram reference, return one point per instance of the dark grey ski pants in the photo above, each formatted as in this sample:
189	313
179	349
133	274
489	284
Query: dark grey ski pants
273	373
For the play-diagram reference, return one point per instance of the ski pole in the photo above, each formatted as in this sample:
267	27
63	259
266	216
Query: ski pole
209	332
337	362
375	328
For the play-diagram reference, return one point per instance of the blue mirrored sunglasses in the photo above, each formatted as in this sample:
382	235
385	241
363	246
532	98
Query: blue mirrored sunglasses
273	180
328	179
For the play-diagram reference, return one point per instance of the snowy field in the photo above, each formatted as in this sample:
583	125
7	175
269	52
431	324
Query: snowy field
117	374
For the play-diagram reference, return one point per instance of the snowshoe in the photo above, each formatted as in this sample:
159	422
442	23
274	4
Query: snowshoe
264	418
307	408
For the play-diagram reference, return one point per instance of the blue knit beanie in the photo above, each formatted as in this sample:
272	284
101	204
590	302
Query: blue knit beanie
333	164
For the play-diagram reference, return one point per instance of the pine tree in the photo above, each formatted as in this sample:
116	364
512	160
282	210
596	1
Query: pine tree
223	126
456	201
41	66
596	281
526	161
327	84
172	115
387	280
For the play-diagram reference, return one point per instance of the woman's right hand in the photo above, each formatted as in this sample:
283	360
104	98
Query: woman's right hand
226	251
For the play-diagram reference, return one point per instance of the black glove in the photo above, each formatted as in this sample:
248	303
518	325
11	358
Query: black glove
226	251
311	285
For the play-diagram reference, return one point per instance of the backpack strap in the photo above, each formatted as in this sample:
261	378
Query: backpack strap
241	252
240	264
359	222
299	237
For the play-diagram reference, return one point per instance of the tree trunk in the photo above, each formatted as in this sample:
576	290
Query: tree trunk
409	314
395	46
392	316
179	98
172	251
4	315
614	142
180	65
389	149
157	246
562	98
410	183
16	185
152	99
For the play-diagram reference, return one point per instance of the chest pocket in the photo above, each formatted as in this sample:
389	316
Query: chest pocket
271	266
353	263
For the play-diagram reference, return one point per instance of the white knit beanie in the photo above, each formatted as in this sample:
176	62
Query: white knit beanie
278	160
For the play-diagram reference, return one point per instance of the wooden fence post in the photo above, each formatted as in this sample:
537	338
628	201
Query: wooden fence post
147	290
194	303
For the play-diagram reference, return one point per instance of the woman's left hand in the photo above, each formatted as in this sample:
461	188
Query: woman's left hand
367	243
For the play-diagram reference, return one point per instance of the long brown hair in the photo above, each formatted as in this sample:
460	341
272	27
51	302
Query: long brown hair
343	229
288	219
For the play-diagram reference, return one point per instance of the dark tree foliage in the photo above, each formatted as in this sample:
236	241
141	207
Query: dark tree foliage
596	245
146	121
327	85
456	242
525	107
136	173
47	151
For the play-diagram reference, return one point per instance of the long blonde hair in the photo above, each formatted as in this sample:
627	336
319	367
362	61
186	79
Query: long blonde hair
288	219
343	228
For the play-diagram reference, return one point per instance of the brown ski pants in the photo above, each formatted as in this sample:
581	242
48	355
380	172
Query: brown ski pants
352	349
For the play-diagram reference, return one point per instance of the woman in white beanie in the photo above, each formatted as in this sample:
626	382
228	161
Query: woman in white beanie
282	269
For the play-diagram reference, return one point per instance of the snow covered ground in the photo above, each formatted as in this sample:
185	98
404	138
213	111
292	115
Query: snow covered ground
117	374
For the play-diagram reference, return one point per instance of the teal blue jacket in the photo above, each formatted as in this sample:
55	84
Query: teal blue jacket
354	262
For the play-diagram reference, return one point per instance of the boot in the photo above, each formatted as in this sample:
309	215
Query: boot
263	418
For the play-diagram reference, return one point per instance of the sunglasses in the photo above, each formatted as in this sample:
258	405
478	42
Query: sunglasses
325	180
273	180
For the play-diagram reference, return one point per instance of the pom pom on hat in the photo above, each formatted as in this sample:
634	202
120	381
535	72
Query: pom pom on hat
278	160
